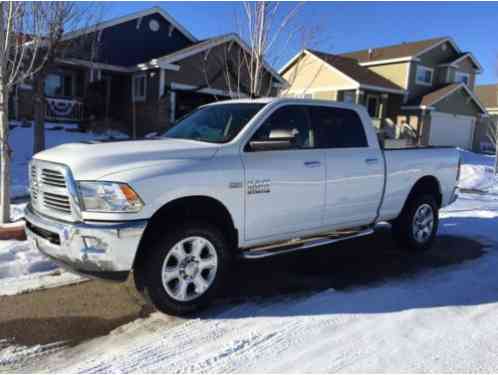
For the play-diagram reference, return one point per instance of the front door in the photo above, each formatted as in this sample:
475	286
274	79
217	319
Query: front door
285	188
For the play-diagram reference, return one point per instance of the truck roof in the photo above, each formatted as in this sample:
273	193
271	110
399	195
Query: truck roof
290	100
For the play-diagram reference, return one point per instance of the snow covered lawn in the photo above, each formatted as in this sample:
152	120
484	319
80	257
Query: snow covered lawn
21	142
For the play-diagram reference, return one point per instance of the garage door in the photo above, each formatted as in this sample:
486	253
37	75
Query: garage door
451	130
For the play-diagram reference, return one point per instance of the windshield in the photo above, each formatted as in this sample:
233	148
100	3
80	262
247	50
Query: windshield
217	123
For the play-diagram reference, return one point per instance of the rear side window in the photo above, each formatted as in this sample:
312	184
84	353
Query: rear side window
338	128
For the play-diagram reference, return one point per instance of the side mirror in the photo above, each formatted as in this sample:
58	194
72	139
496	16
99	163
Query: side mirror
279	139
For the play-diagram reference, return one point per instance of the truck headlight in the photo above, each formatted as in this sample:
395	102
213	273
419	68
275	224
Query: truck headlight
99	196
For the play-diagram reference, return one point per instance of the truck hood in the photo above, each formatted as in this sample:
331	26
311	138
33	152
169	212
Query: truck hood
93	161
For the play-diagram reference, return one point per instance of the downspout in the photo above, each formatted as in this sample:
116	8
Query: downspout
133	113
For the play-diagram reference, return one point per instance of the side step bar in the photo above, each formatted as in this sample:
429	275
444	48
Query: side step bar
289	247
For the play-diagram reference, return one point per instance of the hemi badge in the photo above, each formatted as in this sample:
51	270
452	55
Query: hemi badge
235	185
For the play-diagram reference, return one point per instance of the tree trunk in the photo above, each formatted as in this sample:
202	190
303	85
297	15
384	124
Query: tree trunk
39	115
4	157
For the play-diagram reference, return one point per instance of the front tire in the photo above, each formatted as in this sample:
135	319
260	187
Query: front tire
416	227
186	268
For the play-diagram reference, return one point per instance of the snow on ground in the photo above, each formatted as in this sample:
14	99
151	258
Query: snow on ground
21	142
477	172
440	320
23	269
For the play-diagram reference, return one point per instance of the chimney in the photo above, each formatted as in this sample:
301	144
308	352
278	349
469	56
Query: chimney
370	53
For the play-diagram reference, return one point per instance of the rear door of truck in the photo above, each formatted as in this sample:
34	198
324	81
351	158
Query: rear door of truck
354	166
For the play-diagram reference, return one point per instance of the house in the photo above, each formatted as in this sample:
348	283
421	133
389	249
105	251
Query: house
421	91
488	95
141	72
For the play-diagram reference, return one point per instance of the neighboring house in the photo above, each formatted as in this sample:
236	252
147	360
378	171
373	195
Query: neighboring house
421	90
488	95
150	71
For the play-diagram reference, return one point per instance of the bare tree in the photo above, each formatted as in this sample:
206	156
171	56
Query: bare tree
271	29
61	17
267	30
29	32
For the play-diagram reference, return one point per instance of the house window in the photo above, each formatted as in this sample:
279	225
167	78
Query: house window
424	75
59	85
373	106
461	77
348	97
139	87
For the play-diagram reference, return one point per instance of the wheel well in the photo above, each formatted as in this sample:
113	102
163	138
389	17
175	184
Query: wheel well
182	209
426	185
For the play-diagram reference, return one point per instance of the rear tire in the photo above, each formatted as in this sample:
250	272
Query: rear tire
186	268
416	227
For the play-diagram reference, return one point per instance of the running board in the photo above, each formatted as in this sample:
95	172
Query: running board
289	247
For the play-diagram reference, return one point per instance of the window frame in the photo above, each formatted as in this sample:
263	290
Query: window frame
377	107
460	73
331	108
350	94
136	97
426	68
62	76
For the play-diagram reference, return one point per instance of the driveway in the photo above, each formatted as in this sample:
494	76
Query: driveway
94	308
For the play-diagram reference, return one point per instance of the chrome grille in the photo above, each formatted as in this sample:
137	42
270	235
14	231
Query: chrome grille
51	185
57	202
33	182
52	178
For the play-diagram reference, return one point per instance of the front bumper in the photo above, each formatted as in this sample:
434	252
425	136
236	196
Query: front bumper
100	249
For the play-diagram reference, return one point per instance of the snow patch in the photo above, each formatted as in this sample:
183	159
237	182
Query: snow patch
21	142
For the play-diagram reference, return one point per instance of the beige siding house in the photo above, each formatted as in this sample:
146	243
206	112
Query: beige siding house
420	92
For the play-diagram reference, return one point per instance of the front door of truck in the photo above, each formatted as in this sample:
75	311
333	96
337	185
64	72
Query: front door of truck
284	186
355	171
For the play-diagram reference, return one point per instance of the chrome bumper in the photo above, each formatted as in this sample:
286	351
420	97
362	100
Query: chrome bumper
105	250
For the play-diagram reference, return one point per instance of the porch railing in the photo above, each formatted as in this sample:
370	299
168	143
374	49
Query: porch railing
58	109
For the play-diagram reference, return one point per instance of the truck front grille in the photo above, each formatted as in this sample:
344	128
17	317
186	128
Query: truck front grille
49	190
53	178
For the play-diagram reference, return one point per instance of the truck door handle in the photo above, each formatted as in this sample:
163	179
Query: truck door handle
371	160
312	163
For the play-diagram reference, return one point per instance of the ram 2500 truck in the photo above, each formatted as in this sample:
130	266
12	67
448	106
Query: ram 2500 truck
241	178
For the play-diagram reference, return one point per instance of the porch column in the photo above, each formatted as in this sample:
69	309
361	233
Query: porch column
359	96
383	107
424	127
172	107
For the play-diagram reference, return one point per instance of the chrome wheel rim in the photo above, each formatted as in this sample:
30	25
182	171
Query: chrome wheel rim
423	223
189	269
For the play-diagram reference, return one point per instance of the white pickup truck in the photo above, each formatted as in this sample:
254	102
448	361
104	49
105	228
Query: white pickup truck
241	178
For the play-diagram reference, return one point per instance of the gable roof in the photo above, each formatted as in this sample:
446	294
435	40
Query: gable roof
488	95
436	96
350	68
129	17
462	57
398	51
208	44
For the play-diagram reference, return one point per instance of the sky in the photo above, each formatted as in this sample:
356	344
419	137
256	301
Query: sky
349	26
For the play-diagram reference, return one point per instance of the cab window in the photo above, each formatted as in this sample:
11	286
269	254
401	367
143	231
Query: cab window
291	121
338	128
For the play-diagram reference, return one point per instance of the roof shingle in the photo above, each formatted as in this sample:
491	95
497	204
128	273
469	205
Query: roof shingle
351	68
393	51
433	97
488	95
